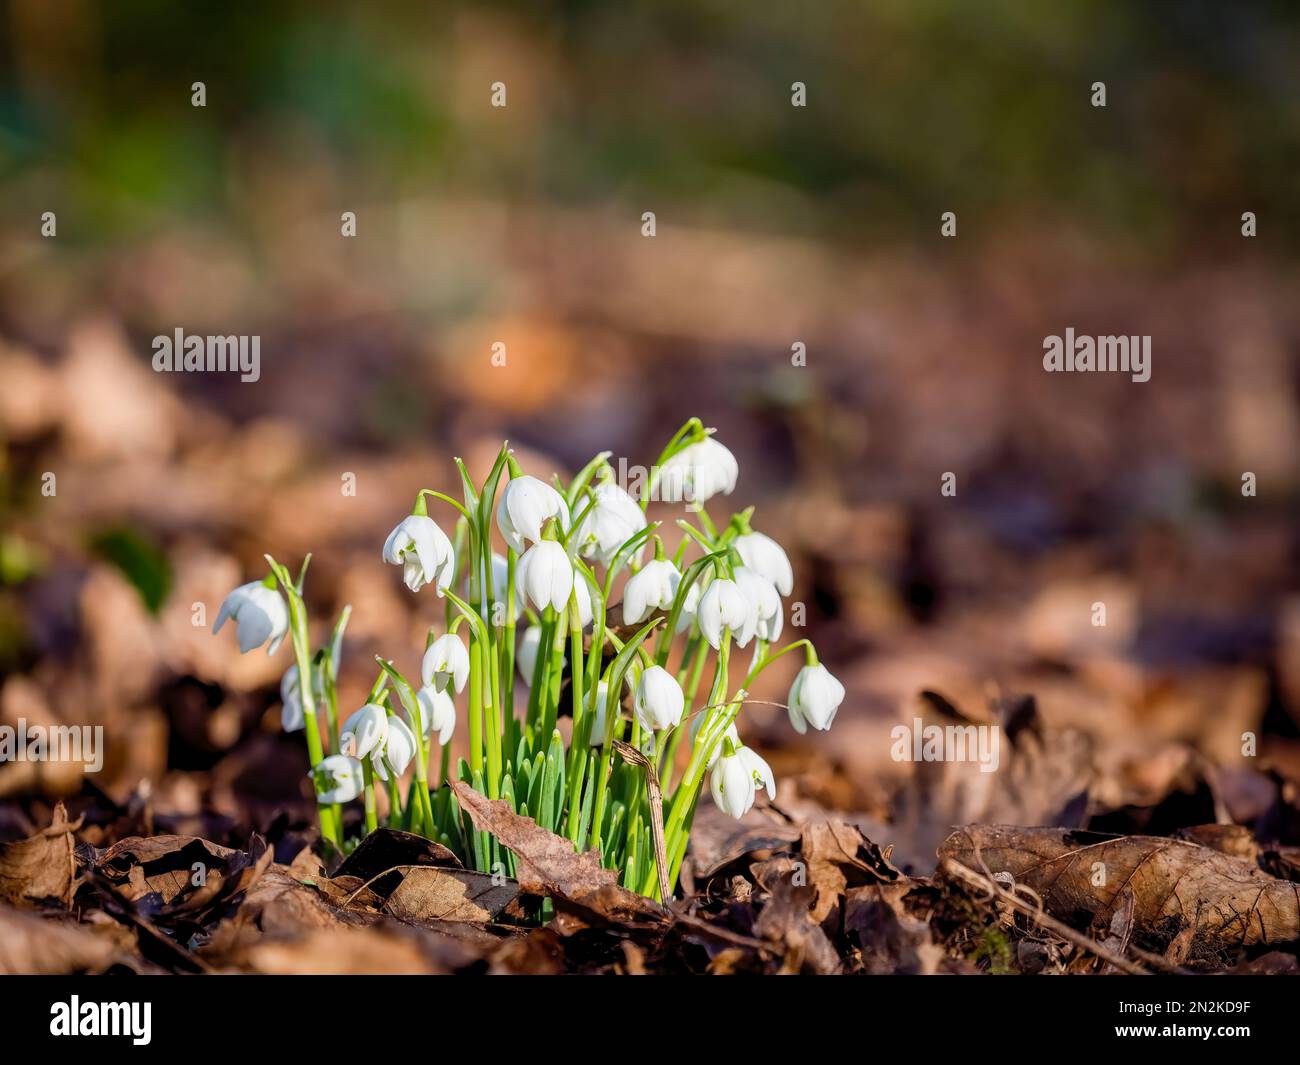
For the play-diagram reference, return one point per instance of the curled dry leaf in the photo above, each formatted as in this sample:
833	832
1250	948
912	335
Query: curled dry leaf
31	944
549	865
1175	885
839	856
41	867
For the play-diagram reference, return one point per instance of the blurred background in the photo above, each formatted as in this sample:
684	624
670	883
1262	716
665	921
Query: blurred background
775	225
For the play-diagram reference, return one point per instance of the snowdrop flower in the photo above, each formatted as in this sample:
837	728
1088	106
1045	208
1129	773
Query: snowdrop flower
446	662
659	699
437	712
767	558
292	718
611	522
364	731
815	696
697	473
582	593
690	608
260	614
736	778
397	750
424	552
601	701
652	587
526	505
764	600
337	778
501	585
723	606
544	575
526	656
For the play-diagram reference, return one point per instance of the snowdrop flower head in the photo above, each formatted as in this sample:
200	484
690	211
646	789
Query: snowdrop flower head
731	734
501	585
724	607
337	778
259	613
690	608
423	551
526	656
601	707
364	731
659	699
767	558
437	713
397	749
292	718
697	473
815	696
764	600
527	504
613	519
545	576
736	779
651	588
446	661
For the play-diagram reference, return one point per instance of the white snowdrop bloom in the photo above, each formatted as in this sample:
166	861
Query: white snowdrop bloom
292	718
423	551
735	781
651	588
526	505
765	600
582	593
337	778
609	524
501	585
601	709
260	614
723	606
364	731
690	608
659	699
397	749
545	576
768	558
437	713
697	473
815	696
526	656
446	661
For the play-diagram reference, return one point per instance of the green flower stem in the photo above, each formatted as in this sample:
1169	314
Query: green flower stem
581	720
508	643
330	824
394	799
368	775
767	660
695	428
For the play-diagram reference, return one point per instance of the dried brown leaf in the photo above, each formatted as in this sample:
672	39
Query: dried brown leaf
41	867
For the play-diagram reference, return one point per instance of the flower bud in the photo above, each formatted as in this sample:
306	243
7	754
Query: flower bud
659	699
815	696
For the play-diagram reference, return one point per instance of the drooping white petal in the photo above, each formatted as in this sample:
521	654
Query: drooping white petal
759	770
600	702
659	699
614	518
292	718
652	587
815	697
732	786
338	778
423	551
697	473
259	613
545	576
398	749
765	556
446	661
724	607
526	505
437	713
364	731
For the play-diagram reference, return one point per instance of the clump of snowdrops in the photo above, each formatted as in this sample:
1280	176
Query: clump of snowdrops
544	608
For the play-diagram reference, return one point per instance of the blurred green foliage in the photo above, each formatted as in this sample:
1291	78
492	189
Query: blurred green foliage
914	107
141	561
